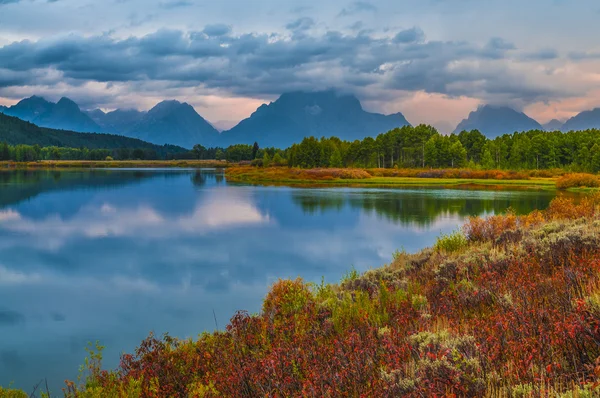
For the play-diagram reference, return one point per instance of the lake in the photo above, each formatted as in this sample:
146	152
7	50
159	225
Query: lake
111	255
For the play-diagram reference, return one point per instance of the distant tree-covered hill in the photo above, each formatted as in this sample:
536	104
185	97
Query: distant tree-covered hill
15	131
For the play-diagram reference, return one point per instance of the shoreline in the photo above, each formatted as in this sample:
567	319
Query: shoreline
322	178
331	177
114	164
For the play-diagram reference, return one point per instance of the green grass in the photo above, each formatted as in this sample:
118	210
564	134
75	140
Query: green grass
399	182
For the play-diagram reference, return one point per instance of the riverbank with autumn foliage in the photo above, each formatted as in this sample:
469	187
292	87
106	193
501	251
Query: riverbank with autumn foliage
509	306
536	179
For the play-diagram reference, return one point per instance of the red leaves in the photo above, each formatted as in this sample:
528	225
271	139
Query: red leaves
516	318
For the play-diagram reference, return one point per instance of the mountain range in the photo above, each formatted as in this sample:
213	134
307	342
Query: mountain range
299	114
281	123
15	131
584	120
64	115
494	121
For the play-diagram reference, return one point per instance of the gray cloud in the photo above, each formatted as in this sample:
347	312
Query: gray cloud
175	4
409	36
267	64
357	7
217	30
584	55
301	24
541	55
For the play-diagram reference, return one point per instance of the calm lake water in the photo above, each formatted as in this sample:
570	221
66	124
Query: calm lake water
112	255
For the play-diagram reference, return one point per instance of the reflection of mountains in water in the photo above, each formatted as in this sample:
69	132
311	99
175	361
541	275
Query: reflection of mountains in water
19	185
424	207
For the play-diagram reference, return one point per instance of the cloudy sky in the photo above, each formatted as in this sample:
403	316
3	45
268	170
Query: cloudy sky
433	60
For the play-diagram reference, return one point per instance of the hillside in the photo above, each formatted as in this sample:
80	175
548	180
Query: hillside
15	131
583	121
117	121
300	114
175	123
494	121
64	115
553	125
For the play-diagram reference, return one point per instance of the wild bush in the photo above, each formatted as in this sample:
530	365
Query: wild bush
515	313
578	180
451	242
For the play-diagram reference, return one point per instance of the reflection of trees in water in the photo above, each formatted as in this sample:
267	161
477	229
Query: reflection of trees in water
201	177
19	185
422	208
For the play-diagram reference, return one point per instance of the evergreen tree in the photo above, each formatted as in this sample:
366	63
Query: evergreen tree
458	154
4	151
277	160
487	161
336	159
266	160
595	154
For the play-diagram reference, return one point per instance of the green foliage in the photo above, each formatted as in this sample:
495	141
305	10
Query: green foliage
10	393
266	160
451	243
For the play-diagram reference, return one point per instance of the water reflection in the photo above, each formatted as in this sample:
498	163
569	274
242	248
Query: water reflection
111	255
421	207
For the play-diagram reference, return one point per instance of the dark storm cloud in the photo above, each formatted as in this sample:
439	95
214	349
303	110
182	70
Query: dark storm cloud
409	36
259	64
217	30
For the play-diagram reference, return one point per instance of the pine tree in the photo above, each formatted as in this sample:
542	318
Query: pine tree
336	159
266	161
487	162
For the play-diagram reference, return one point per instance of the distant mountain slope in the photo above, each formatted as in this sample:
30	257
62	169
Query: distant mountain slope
583	121
15	131
175	123
169	122
553	125
118	121
494	121
300	114
64	115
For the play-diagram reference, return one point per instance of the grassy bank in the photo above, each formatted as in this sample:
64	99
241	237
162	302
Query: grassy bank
507	307
388	177
88	164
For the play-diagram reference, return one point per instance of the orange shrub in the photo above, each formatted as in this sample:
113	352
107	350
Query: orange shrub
566	208
479	229
578	180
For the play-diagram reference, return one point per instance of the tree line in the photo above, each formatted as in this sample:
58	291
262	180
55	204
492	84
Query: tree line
406	147
424	147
